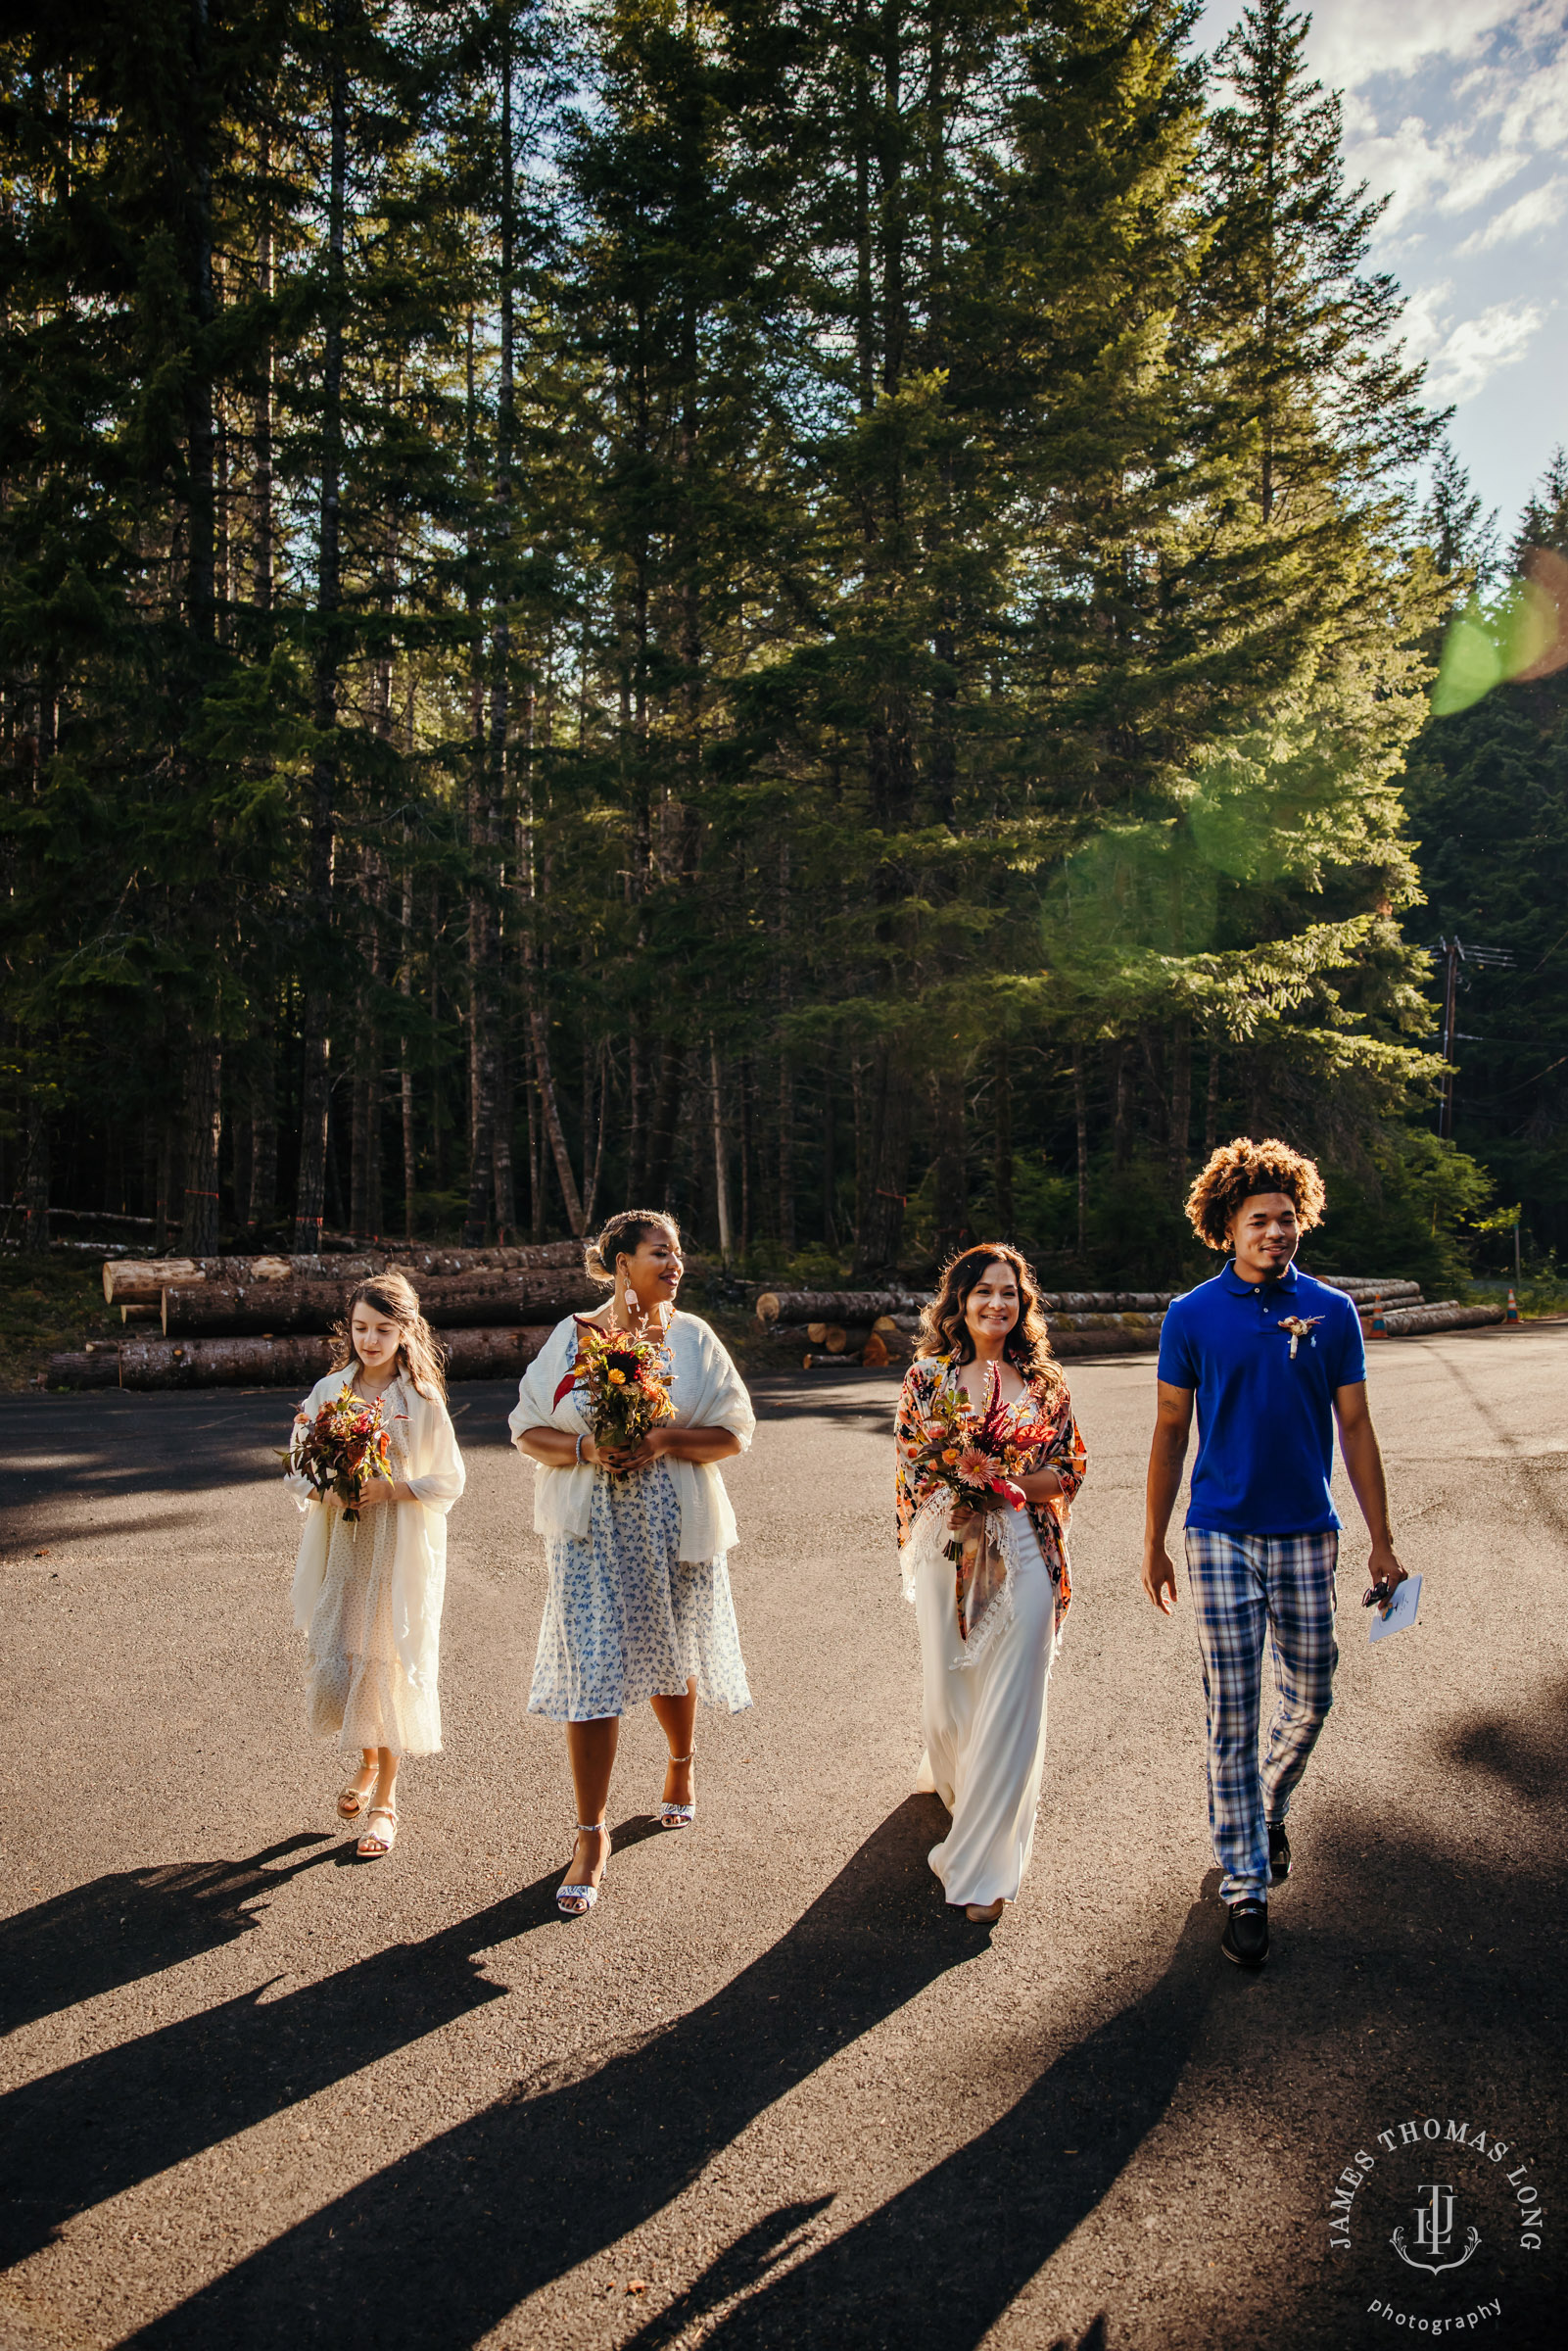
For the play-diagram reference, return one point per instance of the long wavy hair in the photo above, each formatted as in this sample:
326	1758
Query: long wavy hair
419	1352
943	1330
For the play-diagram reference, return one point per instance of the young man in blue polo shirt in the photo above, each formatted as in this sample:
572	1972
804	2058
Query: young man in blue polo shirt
1272	1358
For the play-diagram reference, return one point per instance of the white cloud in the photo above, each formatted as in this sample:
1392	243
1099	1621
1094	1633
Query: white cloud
1467	355
1538	209
1354	39
1423	170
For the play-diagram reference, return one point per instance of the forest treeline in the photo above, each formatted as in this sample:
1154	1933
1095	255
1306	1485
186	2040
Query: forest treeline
815	612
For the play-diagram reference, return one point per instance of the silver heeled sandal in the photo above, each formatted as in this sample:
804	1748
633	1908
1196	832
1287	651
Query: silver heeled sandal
677	1816
576	1901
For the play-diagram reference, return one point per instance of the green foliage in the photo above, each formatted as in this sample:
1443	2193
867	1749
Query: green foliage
799	613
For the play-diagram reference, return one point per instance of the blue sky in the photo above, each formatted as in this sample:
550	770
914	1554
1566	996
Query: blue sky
1458	111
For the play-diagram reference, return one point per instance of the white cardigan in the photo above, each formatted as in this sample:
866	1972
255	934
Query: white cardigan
419	1562
707	1392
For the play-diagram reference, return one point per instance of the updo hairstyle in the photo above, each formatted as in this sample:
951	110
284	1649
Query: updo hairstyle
623	1236
419	1351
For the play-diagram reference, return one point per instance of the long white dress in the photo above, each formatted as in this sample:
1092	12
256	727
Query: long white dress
984	1723
638	1600
368	1595
984	1703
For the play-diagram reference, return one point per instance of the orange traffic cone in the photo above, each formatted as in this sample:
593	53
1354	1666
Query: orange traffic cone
1380	1328
1513	1307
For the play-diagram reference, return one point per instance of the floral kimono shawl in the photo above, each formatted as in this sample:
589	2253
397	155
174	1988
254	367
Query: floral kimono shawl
921	1494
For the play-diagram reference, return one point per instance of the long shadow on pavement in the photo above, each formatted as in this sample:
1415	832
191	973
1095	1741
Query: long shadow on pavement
939	2264
74	2137
436	2249
135	1923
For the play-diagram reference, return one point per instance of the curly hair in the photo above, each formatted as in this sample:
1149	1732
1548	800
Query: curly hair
1028	1345
1241	1169
623	1236
419	1352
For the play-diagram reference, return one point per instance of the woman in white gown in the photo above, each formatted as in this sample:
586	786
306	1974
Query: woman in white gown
988	1624
639	1605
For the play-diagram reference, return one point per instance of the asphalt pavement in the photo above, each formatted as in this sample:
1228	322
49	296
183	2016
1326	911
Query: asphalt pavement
772	2093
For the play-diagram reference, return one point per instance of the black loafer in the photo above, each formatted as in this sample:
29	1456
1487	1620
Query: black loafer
1278	1853
1245	1936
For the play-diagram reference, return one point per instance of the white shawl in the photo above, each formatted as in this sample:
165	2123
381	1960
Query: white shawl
707	1392
437	1476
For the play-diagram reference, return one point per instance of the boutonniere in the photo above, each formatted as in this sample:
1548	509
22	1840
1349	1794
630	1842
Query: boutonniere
1300	1327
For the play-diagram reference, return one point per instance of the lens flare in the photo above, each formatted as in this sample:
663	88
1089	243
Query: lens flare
1523	635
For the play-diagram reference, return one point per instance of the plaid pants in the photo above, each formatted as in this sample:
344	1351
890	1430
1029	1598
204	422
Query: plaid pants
1240	1584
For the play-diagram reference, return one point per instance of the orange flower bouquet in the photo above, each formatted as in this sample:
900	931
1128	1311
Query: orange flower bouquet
341	1450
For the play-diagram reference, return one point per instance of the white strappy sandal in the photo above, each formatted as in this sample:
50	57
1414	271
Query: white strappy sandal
576	1901
677	1816
377	1844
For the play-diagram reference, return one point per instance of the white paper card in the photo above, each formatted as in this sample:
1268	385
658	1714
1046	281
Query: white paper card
1402	1611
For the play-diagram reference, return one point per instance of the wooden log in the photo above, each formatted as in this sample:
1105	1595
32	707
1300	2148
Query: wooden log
1364	1292
1106	1302
834	1306
816	1332
144	1276
1410	1321
547	1257
1104	1342
291	1363
1108	1322
465	1302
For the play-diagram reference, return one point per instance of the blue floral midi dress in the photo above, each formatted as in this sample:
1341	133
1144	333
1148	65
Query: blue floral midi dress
626	1619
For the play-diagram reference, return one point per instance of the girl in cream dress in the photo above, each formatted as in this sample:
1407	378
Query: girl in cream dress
368	1595
638	1607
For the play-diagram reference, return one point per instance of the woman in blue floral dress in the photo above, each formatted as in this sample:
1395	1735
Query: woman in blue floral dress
639	1606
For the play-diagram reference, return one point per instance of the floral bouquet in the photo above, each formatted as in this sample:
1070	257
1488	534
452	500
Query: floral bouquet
977	1458
341	1449
626	1391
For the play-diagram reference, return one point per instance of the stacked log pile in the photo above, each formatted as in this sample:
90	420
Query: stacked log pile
831	1326
265	1321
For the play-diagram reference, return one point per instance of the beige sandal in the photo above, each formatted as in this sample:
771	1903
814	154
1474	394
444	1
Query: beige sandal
351	1801
372	1844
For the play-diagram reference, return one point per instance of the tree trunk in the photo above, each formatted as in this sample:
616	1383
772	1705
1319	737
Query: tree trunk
830	1161
36	1178
665	1119
952	1168
1004	1210
406	1045
1081	1116
721	1171
316	1085
204	1128
262	1205
1180	1102
1121	1123
881	1234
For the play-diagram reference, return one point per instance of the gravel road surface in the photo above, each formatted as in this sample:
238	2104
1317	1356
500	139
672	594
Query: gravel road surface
773	2093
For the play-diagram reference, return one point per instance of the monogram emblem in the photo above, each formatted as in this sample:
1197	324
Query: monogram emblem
1434	2231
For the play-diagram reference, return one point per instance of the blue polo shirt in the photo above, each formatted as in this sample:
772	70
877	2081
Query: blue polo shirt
1265	1423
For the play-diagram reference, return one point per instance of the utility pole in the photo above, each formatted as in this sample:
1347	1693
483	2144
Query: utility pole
1454	952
